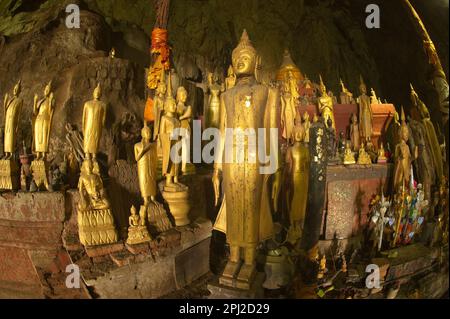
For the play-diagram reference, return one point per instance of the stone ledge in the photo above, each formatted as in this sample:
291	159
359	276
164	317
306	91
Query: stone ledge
33	207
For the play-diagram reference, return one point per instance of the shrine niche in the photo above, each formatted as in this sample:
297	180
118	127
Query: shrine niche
180	149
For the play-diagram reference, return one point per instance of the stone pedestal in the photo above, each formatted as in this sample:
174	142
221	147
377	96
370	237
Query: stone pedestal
96	227
219	291
39	169
9	175
177	197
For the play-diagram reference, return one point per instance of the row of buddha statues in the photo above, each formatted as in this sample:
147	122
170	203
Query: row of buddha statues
95	218
247	199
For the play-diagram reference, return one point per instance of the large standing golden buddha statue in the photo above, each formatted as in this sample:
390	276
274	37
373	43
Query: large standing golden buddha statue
42	121
13	107
94	115
245	214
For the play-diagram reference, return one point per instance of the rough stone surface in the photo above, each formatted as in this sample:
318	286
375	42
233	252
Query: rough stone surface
349	191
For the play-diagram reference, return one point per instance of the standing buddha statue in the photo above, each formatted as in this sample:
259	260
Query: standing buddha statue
147	161
13	108
325	103
297	159
212	116
9	172
184	113
430	134
365	113
43	113
354	133
94	116
403	158
245	215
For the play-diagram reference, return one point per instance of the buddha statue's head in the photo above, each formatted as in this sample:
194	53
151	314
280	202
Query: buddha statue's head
145	132
362	86
404	131
97	92
18	88
48	89
161	89
299	133
244	57
181	95
354	118
170	105
323	88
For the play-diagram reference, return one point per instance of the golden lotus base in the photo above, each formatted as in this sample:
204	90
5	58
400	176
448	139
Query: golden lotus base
39	169
177	197
96	227
9	175
138	235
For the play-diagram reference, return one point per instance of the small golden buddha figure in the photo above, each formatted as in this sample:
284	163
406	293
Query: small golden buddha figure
344	264
326	104
354	133
245	214
363	157
297	159
158	105
381	158
230	80
365	113
13	109
315	118
373	97
112	53
90	186
349	157
169	122
147	162
94	115
306	125
322	267
403	158
212	116
137	231
184	113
